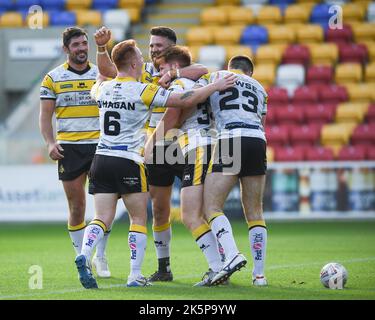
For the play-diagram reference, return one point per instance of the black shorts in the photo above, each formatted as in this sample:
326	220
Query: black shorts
161	173
197	162
116	175
77	160
246	157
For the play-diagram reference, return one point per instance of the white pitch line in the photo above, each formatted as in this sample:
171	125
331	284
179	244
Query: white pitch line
274	267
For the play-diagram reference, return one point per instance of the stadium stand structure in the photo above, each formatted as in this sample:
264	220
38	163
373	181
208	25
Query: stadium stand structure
320	80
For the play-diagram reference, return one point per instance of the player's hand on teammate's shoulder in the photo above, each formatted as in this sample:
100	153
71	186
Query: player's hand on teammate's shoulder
102	36
223	83
55	151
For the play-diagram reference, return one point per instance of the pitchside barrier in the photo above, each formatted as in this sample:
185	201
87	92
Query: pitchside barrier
305	190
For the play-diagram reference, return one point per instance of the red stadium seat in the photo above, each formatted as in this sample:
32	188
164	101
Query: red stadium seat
364	134
305	95
290	154
370	153
305	135
352	153
344	35
353	53
297	54
319	74
277	96
289	115
277	135
271	116
370	117
333	94
319	114
319	154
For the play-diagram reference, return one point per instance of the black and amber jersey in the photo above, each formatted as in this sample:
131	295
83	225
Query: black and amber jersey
77	114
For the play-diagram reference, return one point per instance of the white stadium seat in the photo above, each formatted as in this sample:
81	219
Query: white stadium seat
371	12
290	76
212	56
118	21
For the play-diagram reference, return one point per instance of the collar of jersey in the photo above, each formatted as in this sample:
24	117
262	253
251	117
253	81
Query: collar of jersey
236	71
125	79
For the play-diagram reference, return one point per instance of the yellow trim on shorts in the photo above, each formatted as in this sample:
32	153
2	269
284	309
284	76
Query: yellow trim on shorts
143	178
99	223
159	110
258	223
76	136
198	168
162	227
215	215
77	227
200	231
209	170
137	228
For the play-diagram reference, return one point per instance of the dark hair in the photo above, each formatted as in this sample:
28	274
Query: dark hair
175	54
72	32
164	32
123	53
241	62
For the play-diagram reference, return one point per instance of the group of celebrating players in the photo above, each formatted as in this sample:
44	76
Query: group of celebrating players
132	127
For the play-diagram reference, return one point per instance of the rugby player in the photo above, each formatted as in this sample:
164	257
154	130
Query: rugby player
196	142
118	165
240	154
160	175
65	91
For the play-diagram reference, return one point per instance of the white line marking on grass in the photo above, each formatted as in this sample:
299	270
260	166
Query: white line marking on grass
119	285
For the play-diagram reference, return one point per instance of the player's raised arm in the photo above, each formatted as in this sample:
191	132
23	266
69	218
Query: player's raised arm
192	72
192	97
105	65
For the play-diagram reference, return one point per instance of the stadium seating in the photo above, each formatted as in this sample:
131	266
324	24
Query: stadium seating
320	15
319	74
51	5
310	34
296	14
352	153
343	35
289	115
269	15
265	74
11	20
269	54
254	36
241	16
212	56
277	135
371	12
89	17
319	154
353	53
333	94
77	4
305	95
62	18
229	35
370	116
277	96
363	135
348	73
104	4
361	92
305	135
370	72
290	76
235	50
199	36
296	54
289	154
320	114
281	34
370	153
213	16
324	53
353	13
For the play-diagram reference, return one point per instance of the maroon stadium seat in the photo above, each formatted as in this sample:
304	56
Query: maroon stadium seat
352	153
319	74
370	117
320	113
289	115
305	95
319	154
271	116
333	94
364	134
370	153
344	35
277	135
296	54
353	52
277	96
290	154
305	135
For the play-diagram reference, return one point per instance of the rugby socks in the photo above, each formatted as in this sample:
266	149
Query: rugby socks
258	243
221	251
76	235
222	229
137	241
162	239
102	245
94	233
206	241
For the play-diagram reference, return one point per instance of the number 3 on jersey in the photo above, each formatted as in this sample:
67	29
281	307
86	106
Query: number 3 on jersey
252	105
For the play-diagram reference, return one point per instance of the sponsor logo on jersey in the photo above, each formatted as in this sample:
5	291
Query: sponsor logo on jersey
66	86
82	85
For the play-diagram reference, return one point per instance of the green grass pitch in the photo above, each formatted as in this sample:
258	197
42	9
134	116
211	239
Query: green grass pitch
296	252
